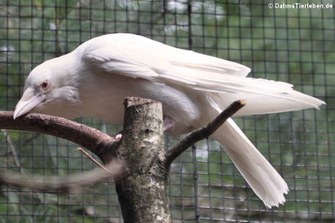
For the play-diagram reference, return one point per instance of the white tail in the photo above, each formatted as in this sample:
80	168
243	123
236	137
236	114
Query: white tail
264	180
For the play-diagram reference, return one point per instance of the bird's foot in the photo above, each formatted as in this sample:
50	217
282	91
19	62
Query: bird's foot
118	136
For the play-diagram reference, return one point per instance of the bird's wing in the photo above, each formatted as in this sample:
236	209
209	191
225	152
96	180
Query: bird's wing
123	52
139	57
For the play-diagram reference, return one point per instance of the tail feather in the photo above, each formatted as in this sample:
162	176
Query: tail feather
264	96
264	180
267	103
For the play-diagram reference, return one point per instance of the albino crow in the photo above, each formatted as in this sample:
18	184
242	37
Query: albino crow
95	78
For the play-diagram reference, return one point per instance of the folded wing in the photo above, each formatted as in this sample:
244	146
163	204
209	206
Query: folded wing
223	81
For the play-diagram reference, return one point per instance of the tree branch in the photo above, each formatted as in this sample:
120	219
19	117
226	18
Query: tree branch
97	142
69	184
92	139
202	133
142	193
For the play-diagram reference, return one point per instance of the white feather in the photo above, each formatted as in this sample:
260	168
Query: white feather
138	57
264	180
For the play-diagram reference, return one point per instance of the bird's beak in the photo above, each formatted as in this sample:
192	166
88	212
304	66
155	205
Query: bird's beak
29	100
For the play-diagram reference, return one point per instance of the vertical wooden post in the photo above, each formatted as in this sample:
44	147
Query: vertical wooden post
142	194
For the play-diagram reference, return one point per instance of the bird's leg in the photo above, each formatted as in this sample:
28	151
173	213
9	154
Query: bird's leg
167	123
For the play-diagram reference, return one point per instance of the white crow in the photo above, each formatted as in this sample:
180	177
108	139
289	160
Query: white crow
95	78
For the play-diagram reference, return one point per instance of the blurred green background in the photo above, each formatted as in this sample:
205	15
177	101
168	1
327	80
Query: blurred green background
294	45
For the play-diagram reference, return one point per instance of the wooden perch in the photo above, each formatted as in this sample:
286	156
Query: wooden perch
142	193
202	133
97	142
70	184
90	138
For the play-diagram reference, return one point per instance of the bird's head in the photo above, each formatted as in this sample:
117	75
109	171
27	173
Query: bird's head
47	90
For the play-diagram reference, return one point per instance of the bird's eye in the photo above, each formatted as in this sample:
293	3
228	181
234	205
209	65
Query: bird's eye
44	84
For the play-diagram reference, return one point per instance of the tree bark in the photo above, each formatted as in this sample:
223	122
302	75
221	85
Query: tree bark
142	194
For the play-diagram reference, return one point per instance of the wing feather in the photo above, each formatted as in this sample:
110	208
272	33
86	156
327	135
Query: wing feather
224	81
137	50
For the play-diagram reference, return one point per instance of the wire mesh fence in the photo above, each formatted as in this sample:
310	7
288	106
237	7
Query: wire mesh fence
282	40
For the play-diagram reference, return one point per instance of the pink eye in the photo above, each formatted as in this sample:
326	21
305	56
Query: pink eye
44	84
